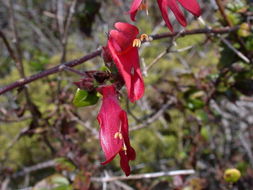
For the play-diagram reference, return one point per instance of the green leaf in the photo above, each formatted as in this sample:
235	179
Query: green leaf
249	43
83	98
193	98
194	104
228	57
202	116
60	180
53	182
205	133
65	164
63	187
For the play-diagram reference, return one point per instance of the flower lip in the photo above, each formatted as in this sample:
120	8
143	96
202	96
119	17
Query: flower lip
173	6
134	8
113	133
191	6
123	36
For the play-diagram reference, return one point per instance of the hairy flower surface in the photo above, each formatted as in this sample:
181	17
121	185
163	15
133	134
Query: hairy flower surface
113	132
126	58
190	5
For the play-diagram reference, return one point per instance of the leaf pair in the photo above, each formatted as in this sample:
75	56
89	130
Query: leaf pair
84	98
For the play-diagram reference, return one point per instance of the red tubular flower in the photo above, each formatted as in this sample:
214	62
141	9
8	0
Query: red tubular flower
126	58
113	132
190	5
134	8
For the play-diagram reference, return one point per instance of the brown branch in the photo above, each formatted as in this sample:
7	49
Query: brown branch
16	41
8	46
39	166
24	81
230	24
223	13
53	163
64	40
196	31
156	116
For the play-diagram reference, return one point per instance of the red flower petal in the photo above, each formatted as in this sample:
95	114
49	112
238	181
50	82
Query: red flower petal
110	122
113	132
163	8
134	8
124	163
129	30
129	67
126	58
192	6
119	41
172	4
123	37
130	151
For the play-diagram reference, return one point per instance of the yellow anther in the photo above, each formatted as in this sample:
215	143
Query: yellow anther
118	135
124	148
137	43
143	6
144	37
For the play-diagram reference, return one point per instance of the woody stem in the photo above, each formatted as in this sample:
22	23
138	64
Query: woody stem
21	82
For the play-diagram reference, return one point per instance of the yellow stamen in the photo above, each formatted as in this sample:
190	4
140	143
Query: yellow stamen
124	148
144	37
118	135
143	6
137	43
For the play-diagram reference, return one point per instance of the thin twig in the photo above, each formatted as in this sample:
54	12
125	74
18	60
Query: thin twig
223	13
8	46
24	81
155	116
123	185
27	170
238	53
16	41
64	40
196	31
12	143
143	176
247	147
52	163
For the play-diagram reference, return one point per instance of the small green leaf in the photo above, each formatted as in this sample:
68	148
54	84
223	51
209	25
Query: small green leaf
63	187
202	116
249	43
65	164
83	98
194	104
60	180
104	68
204	133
